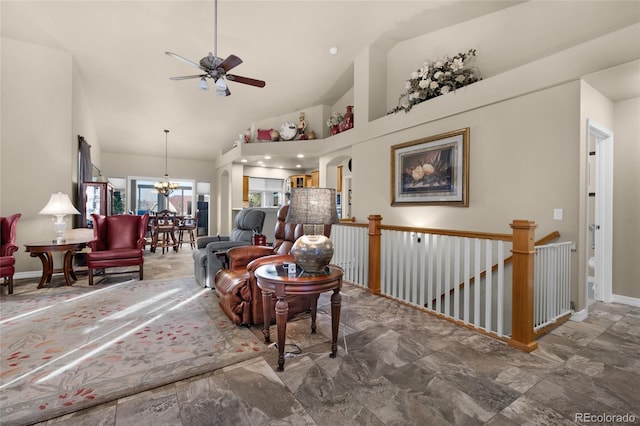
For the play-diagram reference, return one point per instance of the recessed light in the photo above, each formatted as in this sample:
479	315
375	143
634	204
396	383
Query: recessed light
267	157
333	50
280	167
261	162
243	161
300	155
298	166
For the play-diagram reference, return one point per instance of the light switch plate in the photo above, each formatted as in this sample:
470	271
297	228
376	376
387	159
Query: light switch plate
557	214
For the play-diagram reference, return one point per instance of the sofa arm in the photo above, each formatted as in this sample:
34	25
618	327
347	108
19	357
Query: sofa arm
239	257
8	249
201	242
216	246
274	258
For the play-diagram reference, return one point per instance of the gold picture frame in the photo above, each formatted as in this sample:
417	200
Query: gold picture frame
432	170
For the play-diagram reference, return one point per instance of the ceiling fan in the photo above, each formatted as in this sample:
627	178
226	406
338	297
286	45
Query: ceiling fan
216	68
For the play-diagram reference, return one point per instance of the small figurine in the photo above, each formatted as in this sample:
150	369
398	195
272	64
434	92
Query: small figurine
302	125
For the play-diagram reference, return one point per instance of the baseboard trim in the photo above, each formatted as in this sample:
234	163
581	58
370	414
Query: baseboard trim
580	315
27	274
625	300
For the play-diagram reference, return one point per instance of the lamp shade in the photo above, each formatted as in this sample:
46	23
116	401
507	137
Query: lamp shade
313	206
59	204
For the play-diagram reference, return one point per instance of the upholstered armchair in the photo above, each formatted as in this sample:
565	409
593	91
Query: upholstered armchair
118	241
205	258
237	288
8	247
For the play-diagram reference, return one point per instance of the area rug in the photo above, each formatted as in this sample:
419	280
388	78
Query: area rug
77	347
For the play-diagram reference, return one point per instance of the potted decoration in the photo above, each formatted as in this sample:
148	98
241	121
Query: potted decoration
334	122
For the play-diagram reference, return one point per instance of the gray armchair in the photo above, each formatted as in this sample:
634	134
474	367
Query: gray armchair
205	261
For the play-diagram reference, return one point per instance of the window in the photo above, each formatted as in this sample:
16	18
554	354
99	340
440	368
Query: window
147	199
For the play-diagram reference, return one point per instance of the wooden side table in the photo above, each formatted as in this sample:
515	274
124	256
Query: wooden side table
274	279
44	251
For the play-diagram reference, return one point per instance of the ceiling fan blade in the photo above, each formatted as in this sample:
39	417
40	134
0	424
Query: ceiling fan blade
185	60
246	80
186	77
230	62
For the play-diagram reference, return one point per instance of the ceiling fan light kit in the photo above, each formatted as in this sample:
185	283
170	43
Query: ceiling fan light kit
216	68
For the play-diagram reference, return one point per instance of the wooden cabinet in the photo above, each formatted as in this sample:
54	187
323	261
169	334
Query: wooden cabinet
300	181
245	188
315	179
97	197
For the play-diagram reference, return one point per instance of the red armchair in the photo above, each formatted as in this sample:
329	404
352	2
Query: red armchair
8	227
118	241
237	288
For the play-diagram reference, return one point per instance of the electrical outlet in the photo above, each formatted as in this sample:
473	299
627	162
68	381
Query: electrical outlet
557	214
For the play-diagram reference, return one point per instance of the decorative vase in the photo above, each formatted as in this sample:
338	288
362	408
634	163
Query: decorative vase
335	129
347	123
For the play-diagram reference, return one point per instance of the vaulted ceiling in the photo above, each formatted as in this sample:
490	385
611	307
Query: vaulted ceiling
118	51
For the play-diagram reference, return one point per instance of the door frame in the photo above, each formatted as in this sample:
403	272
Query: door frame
603	221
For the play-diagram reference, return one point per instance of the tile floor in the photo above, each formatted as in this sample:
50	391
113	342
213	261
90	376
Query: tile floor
399	366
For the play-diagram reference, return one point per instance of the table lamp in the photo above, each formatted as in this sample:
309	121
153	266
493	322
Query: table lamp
58	206
313	206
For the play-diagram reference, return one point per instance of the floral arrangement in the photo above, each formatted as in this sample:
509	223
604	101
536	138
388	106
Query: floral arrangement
335	119
437	78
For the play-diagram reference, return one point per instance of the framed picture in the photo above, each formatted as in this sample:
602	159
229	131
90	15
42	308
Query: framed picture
431	171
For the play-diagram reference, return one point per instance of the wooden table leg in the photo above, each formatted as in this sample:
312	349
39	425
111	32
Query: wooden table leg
47	267
314	311
67	267
266	316
336	300
282	309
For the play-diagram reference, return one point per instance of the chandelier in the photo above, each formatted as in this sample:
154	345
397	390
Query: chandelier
165	187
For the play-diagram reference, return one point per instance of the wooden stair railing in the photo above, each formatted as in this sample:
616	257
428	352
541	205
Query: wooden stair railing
544	240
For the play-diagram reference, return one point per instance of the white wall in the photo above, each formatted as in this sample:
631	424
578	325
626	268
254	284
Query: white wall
626	198
523	164
37	143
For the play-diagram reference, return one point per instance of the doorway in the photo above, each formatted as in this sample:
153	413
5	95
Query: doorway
599	250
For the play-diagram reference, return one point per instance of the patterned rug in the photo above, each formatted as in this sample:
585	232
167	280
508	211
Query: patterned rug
82	346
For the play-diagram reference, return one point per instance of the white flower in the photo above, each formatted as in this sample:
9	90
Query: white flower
435	78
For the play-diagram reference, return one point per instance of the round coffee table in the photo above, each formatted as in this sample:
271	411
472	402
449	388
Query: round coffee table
274	279
44	251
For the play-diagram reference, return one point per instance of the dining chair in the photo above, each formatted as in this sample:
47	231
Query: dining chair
163	231
188	225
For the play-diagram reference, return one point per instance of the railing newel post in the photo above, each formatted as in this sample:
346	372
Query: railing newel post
374	253
522	322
